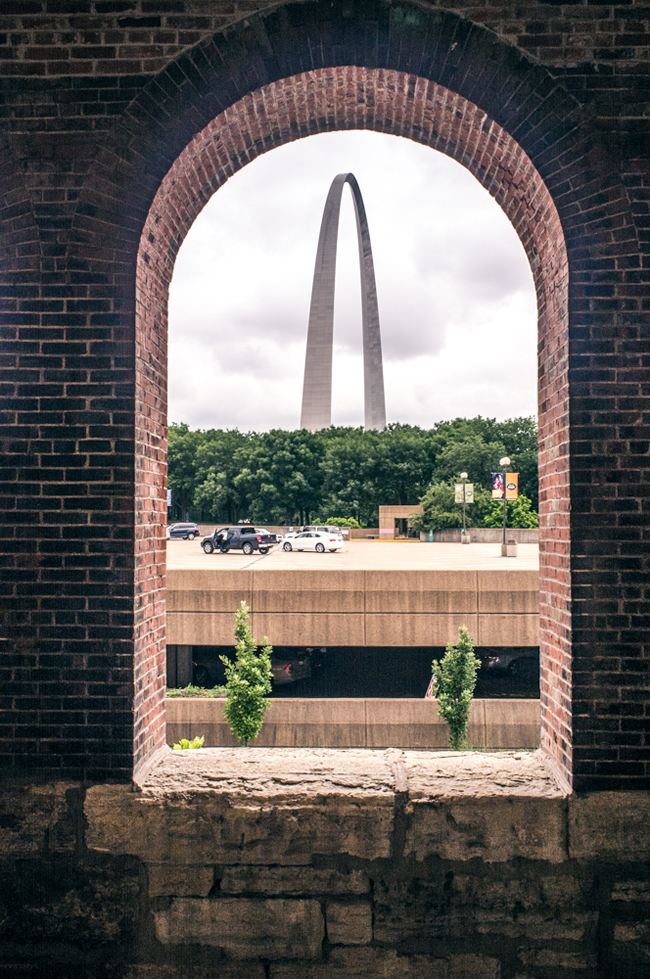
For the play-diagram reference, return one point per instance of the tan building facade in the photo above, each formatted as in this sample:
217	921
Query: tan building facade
394	520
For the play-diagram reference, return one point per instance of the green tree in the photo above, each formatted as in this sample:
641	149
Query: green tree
248	681
403	465
182	447
515	437
521	438
291	476
348	471
280	476
519	514
454	680
441	512
473	455
220	456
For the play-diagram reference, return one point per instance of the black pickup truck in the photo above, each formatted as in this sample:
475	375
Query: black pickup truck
246	539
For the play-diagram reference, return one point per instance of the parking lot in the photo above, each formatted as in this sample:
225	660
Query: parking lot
360	555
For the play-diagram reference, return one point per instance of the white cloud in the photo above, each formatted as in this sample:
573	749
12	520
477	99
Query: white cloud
456	297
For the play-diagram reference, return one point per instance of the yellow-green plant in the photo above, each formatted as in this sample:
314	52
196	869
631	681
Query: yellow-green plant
454	680
248	681
185	745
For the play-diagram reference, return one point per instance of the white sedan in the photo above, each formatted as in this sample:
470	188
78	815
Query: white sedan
312	540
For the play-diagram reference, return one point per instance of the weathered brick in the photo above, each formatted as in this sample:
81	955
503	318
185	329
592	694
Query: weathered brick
195	880
294	880
246	928
349	924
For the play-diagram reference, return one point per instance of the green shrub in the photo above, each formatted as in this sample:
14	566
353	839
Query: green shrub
185	745
519	514
248	681
454	679
342	522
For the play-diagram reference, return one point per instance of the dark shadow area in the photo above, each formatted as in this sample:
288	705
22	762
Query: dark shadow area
359	671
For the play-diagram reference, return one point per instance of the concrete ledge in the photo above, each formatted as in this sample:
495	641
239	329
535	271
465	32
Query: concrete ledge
371	607
351	723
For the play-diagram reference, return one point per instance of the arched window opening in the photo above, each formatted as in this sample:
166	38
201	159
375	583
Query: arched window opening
430	114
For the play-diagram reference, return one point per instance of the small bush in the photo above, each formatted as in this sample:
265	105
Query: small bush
185	745
342	522
519	514
248	681
454	679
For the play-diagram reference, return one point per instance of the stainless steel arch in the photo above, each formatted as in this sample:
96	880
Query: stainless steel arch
317	387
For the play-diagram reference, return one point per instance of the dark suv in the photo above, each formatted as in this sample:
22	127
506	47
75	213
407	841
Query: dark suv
182	531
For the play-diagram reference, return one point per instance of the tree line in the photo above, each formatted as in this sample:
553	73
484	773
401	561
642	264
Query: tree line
301	477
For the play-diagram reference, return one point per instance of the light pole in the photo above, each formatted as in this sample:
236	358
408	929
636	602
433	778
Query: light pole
463	476
504	463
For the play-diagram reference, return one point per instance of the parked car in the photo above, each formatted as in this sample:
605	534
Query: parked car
263	530
320	529
287	666
313	541
244	538
182	531
291	534
290	669
520	664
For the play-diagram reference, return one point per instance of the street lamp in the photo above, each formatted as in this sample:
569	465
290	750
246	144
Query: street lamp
463	476
504	463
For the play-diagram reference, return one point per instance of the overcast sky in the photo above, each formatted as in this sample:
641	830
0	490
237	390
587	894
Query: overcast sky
456	297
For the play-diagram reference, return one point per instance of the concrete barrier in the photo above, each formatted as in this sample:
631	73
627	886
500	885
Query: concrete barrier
354	607
349	723
484	535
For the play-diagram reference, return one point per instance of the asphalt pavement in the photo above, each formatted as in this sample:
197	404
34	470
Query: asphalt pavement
361	555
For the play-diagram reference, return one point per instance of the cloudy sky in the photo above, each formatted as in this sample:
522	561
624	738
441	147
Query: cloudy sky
456	297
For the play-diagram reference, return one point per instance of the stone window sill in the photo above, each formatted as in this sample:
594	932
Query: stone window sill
294	806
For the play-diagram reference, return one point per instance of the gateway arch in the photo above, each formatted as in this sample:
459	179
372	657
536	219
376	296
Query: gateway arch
317	388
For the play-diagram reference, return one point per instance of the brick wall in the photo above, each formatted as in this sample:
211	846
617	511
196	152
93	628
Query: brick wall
548	107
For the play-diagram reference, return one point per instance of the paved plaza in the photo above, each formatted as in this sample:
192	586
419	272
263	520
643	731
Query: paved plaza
360	555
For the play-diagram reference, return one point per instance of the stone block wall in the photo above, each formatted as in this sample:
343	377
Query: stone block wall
244	863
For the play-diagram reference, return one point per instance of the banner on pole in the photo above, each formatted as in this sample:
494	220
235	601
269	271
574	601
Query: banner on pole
497	486
512	486
169	497
469	493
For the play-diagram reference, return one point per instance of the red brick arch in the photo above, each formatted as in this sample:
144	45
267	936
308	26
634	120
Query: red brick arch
412	107
440	79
